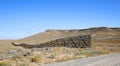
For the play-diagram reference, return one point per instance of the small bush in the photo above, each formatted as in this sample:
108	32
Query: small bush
102	52
22	64
53	56
17	56
5	64
64	59
36	58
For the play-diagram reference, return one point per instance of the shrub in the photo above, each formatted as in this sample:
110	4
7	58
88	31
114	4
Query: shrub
101	52
17	56
5	64
53	56
64	59
22	64
36	58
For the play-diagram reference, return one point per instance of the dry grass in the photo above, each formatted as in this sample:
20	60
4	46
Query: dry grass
36	58
5	64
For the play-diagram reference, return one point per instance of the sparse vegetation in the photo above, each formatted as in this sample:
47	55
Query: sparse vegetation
52	56
36	58
5	64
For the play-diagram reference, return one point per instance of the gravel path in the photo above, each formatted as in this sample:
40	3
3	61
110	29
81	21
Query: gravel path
103	60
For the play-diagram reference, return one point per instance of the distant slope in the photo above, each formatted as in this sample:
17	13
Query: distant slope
6	44
98	34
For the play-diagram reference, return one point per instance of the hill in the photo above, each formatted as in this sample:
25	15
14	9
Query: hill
98	34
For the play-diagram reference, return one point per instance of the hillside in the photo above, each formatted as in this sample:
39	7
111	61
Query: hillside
6	44
98	34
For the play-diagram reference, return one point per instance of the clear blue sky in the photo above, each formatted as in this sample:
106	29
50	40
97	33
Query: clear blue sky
20	18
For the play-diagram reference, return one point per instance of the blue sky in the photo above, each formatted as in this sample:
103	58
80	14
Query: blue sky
20	18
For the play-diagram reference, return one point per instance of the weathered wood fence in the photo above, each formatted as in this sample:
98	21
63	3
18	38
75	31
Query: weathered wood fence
83	41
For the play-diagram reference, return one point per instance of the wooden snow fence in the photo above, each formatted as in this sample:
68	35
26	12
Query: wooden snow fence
83	41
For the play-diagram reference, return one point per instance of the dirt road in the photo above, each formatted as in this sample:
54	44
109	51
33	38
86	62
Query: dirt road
103	60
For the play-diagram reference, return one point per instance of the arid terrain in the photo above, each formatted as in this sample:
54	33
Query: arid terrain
104	40
100	35
103	60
